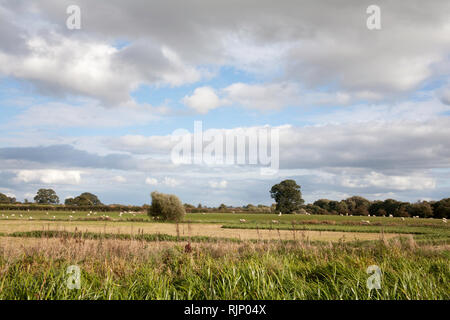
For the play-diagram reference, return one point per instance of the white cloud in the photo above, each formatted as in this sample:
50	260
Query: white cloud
289	41
386	182
60	65
171	182
49	176
151	181
203	100
218	184
264	96
119	179
88	114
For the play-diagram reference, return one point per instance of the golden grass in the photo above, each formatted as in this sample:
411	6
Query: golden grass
210	230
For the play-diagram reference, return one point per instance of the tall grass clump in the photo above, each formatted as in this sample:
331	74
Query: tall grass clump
166	207
132	269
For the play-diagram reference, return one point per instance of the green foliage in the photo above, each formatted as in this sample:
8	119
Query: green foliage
84	199
6	200
46	196
287	195
336	272
166	207
442	208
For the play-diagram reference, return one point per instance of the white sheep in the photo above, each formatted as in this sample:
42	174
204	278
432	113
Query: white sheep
275	221
242	220
365	221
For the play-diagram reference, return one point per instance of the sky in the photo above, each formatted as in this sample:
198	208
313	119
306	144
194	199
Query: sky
358	110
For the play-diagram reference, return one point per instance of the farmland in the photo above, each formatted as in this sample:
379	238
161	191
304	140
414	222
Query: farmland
230	256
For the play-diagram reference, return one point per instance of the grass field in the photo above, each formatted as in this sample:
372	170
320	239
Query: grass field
130	256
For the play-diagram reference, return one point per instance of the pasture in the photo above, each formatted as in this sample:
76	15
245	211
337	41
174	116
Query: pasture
221	256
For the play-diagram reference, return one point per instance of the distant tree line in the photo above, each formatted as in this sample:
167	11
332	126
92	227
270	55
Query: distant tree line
359	206
287	195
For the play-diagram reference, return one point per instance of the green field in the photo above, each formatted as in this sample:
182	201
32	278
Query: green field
131	256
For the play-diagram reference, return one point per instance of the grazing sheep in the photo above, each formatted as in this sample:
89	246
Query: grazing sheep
444	220
13	215
242	220
403	219
275	221
54	217
46	213
279	214
365	221
391	216
31	218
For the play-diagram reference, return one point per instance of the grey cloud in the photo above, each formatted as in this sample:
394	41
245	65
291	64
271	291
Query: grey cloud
380	146
314	43
67	156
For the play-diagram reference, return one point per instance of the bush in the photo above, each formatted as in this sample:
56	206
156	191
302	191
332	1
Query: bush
166	207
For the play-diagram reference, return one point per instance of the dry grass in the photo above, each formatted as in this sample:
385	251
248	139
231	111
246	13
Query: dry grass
209	230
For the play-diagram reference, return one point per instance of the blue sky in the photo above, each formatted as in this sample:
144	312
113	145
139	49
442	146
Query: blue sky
358	111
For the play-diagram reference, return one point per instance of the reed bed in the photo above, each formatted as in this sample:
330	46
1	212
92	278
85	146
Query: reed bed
133	268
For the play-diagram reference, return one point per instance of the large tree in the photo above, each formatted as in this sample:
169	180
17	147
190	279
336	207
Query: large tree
46	196
5	199
84	199
287	195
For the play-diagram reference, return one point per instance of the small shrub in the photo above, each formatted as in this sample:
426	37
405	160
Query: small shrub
166	207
